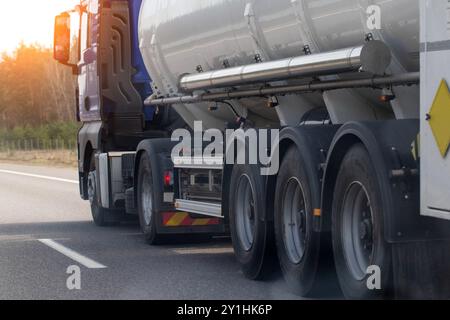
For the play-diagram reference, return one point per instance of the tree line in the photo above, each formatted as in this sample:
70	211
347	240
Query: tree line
37	99
34	89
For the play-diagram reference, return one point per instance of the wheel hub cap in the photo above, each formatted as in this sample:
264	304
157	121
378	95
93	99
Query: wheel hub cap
294	221
245	213
357	230
147	202
91	184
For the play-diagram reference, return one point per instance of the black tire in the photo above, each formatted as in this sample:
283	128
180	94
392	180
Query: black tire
256	255
99	215
102	217
298	246
146	210
357	195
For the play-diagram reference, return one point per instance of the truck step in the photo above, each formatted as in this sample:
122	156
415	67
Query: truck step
210	163
202	208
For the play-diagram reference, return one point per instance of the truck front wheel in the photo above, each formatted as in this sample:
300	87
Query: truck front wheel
362	256
146	201
102	217
251	232
98	214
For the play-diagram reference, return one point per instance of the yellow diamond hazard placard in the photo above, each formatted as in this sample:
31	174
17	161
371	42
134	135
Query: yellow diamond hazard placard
439	118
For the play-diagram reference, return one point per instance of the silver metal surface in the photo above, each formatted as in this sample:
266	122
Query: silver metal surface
211	163
203	208
244	210
178	37
294	221
92	186
406	79
103	173
115	176
357	230
147	198
374	57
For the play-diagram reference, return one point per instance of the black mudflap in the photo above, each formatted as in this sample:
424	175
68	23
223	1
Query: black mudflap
422	270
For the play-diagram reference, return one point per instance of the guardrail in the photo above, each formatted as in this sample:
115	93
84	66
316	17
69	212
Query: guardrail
37	144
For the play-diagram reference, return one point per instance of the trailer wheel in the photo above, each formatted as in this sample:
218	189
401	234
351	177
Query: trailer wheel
298	246
102	217
357	228
251	233
146	201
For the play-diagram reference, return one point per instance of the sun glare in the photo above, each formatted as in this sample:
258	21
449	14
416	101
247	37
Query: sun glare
29	21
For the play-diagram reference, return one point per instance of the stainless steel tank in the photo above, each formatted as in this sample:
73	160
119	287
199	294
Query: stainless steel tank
179	37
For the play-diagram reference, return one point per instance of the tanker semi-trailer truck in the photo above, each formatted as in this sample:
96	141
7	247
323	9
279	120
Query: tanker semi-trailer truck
344	104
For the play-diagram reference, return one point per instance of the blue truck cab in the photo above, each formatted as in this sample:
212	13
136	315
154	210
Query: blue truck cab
117	129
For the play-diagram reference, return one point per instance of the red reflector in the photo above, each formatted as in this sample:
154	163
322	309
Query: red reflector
387	98
168	181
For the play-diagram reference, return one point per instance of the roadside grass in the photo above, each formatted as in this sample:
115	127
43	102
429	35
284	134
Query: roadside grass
51	144
59	158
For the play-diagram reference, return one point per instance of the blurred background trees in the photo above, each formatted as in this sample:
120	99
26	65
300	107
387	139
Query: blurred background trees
35	89
37	96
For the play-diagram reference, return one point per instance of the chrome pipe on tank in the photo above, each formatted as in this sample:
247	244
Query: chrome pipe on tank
374	57
405	79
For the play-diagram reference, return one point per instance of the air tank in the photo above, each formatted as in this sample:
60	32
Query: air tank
179	37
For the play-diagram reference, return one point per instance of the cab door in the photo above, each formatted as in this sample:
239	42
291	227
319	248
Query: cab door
88	79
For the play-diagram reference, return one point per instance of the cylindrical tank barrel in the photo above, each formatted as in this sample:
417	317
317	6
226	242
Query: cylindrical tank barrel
195	37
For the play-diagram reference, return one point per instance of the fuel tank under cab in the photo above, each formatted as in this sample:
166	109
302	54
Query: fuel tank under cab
179	37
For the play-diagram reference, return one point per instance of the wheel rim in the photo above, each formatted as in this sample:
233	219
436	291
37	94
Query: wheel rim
147	202
294	221
245	213
91	184
357	230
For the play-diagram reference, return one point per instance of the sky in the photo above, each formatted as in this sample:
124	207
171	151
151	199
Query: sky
30	21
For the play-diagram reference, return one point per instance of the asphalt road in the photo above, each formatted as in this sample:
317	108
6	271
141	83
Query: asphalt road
45	228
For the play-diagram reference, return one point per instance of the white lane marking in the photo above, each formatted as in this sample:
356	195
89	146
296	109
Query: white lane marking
21	238
85	261
38	176
15	237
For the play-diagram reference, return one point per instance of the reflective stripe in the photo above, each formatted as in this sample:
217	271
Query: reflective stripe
183	219
201	222
176	219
